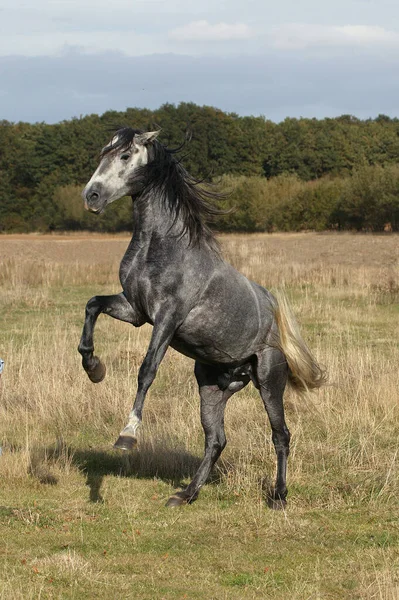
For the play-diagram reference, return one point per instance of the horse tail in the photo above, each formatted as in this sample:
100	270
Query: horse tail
304	371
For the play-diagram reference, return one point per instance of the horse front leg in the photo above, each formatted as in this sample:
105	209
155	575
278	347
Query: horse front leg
115	306
162	335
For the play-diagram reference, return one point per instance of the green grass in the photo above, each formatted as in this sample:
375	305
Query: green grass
79	520
57	541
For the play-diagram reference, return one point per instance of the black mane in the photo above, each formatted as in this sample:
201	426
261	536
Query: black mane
188	199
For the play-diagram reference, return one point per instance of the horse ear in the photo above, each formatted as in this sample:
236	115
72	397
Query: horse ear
145	138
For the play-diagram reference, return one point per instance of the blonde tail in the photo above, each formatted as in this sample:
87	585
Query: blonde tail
304	371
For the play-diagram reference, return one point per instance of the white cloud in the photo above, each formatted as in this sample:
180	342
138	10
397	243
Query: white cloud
202	31
298	36
368	35
79	83
92	42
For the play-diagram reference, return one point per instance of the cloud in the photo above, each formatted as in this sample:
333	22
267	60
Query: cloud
54	43
298	36
274	84
363	34
202	31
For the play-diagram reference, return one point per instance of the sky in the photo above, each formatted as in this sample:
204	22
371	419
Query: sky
287	58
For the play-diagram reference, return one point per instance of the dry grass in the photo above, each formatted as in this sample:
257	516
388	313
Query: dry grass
339	537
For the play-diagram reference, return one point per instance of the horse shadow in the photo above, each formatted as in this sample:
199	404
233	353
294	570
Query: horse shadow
173	465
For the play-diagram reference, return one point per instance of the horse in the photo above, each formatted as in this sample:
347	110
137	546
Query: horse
174	277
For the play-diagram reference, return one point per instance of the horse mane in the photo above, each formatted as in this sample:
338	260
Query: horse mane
188	199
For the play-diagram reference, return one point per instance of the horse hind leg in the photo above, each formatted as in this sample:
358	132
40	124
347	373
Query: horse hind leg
215	389
272	374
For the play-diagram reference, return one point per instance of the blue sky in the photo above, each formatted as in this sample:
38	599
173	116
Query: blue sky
65	58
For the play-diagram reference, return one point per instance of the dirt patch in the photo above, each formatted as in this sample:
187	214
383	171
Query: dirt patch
64	248
306	248
378	250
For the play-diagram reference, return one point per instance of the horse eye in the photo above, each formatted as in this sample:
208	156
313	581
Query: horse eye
125	156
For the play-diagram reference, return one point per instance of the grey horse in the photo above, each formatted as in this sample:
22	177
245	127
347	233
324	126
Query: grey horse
174	277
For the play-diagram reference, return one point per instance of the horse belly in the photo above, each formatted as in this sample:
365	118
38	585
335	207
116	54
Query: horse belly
218	336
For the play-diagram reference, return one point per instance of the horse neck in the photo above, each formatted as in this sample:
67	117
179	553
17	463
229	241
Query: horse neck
151	215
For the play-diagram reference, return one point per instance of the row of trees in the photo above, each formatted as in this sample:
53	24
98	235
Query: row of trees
298	174
366	200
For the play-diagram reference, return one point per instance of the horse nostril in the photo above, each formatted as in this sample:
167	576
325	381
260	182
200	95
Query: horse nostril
93	196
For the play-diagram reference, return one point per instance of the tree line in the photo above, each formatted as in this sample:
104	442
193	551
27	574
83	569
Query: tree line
340	173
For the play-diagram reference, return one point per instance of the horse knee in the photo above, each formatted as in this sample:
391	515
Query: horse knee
92	306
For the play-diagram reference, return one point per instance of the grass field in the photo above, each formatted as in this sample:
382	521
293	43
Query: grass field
79	520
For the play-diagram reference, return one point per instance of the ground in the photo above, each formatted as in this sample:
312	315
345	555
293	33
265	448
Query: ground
80	520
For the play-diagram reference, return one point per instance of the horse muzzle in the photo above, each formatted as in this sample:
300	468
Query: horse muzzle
94	200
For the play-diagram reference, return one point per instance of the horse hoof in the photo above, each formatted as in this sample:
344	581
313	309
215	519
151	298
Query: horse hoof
176	501
97	374
277	503
125	442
